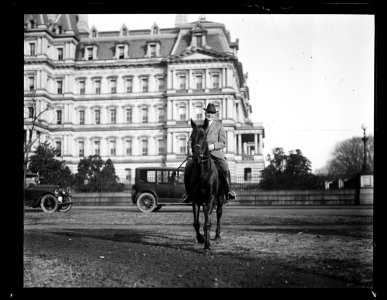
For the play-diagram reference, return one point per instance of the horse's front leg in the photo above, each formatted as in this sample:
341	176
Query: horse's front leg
207	226
219	211
196	224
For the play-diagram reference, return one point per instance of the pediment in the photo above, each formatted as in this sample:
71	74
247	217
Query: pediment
198	56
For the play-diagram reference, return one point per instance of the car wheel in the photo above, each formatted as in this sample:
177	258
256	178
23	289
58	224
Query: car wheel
146	202
157	208
65	207
49	203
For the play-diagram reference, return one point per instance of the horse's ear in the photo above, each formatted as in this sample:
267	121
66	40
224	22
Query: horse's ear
205	124
193	124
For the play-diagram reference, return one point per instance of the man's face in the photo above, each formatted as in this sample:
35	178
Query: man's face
210	116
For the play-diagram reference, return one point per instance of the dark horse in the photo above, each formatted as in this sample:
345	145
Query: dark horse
206	185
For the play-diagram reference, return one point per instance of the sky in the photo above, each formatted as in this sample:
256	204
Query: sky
311	77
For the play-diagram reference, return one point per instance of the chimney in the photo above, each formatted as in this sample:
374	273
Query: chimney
82	24
180	20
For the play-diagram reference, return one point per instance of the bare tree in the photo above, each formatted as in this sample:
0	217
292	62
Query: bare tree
347	156
35	125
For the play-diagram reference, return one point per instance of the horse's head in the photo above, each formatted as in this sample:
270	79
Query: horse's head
199	142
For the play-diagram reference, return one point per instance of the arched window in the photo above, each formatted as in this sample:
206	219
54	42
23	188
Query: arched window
248	175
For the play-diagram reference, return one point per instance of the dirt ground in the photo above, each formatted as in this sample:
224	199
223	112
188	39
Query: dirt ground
260	248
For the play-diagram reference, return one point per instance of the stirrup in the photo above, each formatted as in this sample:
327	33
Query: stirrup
185	198
232	195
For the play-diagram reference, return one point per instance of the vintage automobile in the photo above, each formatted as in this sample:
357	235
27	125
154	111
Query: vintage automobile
48	197
158	186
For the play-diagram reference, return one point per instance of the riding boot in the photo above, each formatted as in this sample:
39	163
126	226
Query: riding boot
229	195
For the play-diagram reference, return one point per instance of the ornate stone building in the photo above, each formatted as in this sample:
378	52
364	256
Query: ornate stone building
129	95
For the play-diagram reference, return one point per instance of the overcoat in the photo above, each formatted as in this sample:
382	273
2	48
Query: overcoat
215	135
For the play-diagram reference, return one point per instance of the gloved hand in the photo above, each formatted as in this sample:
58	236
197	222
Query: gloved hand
211	147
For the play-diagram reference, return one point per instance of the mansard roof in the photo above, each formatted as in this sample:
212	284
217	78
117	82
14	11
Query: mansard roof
66	21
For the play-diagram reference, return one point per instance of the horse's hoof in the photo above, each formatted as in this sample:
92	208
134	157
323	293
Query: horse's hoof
201	239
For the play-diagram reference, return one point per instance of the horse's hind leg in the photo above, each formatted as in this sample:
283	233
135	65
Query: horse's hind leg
196	224
219	212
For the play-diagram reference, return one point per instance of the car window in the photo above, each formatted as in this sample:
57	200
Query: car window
162	177
147	176
180	177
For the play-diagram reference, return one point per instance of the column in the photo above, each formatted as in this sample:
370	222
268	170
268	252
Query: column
240	151
207	79
170	110
88	149
223	77
104	147
260	144
224	111
256	151
169	142
136	146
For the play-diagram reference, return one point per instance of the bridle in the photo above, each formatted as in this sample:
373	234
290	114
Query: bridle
203	158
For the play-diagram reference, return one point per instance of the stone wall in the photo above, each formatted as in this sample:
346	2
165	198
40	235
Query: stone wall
248	197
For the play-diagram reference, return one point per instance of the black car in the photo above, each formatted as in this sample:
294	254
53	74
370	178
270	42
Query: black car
158	186
48	197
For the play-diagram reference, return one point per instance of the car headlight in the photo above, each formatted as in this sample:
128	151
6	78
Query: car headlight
56	192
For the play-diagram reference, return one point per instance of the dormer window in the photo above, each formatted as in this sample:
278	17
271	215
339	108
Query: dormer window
124	32
121	51
153	49
155	29
94	33
198	36
90	53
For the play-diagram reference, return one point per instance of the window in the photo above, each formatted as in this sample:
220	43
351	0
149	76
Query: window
215	81
97	147
199	112
144	82
124	32
59	84
113	114
182	113
247	172
97	115
58	117
112	148
144	115
129	85
128	146
161	84
82	86
32	49
81	148
59	148
161	147
30	112
121	52
144	147
199	82
199	41
113	86
128	115
161	114
217	108
128	176
60	53
182	145
182	82
89	53
152	50
97	86
81	117
31	81
94	33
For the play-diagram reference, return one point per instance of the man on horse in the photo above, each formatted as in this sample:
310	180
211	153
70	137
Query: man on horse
216	138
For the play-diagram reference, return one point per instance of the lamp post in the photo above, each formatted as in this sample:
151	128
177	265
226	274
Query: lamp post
365	139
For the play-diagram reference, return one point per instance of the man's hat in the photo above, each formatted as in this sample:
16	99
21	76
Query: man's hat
210	108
